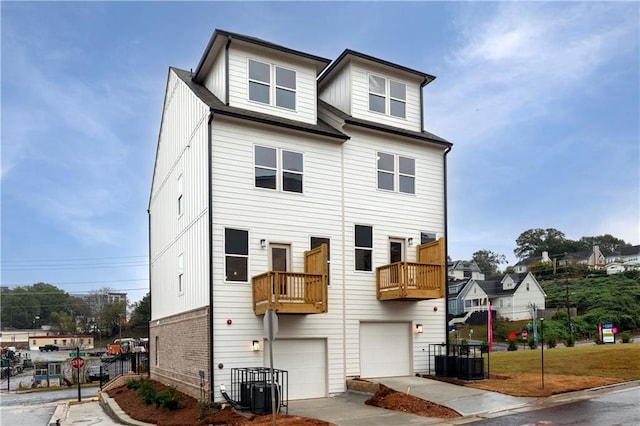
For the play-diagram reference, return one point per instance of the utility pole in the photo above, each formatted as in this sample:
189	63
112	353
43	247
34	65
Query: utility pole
566	281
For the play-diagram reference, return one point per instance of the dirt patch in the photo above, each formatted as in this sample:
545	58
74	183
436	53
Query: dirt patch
391	399
530	384
191	413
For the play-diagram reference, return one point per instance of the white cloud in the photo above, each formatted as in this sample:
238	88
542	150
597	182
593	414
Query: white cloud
511	66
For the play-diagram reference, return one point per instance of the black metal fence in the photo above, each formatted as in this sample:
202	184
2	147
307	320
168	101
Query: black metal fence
129	363
463	361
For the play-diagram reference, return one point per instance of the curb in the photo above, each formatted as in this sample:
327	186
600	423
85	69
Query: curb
60	414
111	407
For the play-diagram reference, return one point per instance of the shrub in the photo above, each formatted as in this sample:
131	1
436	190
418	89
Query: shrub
147	392
551	342
134	384
464	347
169	399
570	341
513	345
532	342
625	337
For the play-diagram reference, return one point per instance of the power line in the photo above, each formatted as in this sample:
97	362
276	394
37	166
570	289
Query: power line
69	260
42	267
78	282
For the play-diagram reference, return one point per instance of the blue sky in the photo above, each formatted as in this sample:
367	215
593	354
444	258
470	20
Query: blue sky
541	101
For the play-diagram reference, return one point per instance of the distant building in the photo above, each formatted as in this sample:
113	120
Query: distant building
512	296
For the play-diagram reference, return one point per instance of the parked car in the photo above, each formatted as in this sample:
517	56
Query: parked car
94	373
47	348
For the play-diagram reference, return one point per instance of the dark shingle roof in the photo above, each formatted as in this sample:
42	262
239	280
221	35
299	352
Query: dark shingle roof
420	136
218	107
426	78
627	251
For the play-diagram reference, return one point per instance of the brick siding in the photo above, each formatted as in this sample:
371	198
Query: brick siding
183	350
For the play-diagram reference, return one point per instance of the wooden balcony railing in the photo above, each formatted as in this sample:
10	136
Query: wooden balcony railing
290	293
410	281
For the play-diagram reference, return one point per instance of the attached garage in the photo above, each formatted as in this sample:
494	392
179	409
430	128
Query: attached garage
385	349
306	362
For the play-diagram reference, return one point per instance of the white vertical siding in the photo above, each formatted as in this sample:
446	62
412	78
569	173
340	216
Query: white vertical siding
360	99
306	104
338	91
277	217
215	80
182	150
391	215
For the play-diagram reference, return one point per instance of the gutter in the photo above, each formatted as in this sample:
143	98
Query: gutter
150	304
226	71
210	232
446	252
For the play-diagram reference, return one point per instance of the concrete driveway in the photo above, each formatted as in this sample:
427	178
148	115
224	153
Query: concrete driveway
349	409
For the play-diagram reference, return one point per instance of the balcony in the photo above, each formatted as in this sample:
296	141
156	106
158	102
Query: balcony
294	292
421	280
290	293
409	281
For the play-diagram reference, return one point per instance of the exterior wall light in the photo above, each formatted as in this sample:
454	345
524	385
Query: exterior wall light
255	345
410	241
263	243
418	328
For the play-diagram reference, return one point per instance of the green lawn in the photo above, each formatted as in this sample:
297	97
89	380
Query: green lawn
621	361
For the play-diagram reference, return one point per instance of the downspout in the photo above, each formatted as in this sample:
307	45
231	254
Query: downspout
210	232
446	252
150	304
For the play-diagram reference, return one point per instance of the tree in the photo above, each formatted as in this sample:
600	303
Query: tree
488	261
534	241
607	243
141	313
64	322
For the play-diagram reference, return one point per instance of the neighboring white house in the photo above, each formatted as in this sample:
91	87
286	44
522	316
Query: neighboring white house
285	181
512	296
624	259
464	269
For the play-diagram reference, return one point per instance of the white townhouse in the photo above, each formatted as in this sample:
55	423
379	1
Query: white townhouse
284	181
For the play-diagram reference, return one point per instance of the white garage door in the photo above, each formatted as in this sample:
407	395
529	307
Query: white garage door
306	362
385	349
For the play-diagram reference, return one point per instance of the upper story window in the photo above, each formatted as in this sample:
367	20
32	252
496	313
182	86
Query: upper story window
387	96
270	173
364	247
396	173
180	189
261	89
180	273
236	254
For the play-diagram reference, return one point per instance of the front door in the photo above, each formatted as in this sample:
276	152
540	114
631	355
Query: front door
280	262
396	250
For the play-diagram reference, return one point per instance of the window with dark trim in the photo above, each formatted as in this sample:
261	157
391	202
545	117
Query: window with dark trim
236	250
180	273
427	237
270	173
387	96
261	89
396	173
364	248
180	199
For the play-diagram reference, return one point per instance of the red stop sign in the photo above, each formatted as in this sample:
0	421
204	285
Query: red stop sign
77	362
